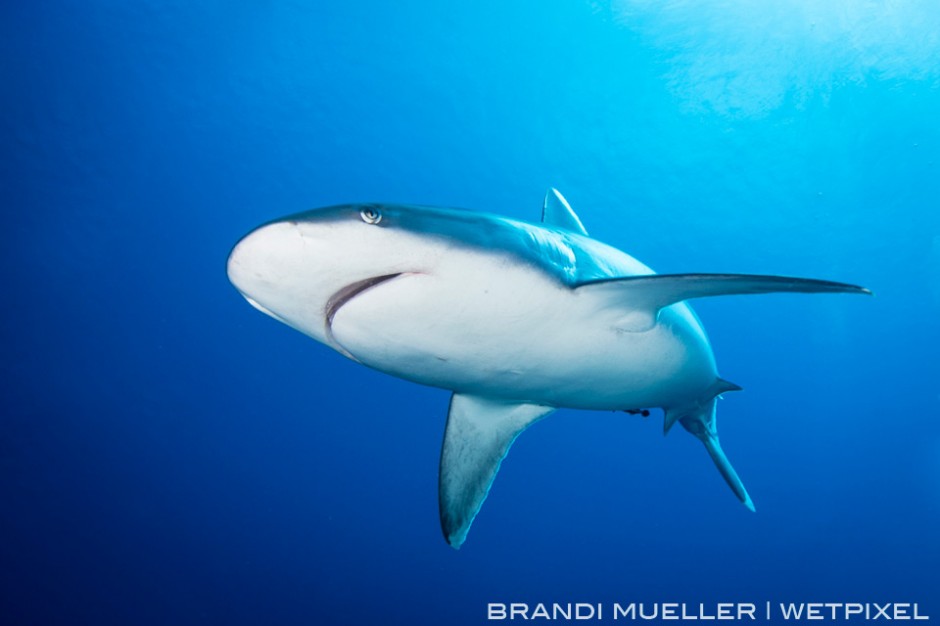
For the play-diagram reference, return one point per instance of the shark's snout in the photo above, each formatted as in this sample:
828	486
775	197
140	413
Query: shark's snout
265	258
238	265
288	270
262	262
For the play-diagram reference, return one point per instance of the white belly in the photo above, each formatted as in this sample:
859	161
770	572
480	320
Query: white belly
505	330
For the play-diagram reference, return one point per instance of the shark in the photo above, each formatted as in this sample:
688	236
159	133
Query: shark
517	319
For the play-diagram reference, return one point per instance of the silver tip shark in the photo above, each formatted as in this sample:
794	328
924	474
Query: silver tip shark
517	319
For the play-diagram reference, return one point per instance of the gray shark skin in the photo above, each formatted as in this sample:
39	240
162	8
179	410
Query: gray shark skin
517	319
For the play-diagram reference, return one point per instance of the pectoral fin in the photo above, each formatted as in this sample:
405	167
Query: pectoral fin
641	297
478	435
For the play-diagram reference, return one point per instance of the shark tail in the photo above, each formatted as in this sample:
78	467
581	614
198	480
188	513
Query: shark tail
727	471
700	421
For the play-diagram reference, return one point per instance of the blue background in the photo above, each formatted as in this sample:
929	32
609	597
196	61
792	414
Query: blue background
169	455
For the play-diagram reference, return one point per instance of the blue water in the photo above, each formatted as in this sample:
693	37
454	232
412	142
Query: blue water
171	456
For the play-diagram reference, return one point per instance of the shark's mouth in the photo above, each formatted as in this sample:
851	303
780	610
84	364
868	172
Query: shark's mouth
347	293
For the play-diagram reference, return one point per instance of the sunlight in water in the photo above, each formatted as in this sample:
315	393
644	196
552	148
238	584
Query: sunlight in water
742	58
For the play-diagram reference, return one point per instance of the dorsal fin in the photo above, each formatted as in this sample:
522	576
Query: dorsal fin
557	212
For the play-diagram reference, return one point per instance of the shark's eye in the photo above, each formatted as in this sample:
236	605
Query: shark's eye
371	215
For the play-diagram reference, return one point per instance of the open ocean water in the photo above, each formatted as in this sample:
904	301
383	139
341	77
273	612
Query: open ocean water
168	455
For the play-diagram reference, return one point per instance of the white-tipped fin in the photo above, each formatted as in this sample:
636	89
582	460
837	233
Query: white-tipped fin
557	212
478	435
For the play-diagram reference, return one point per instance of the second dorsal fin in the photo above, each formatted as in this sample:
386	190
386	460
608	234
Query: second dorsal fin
557	212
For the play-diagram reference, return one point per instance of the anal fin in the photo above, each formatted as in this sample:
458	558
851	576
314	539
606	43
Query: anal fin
478	436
